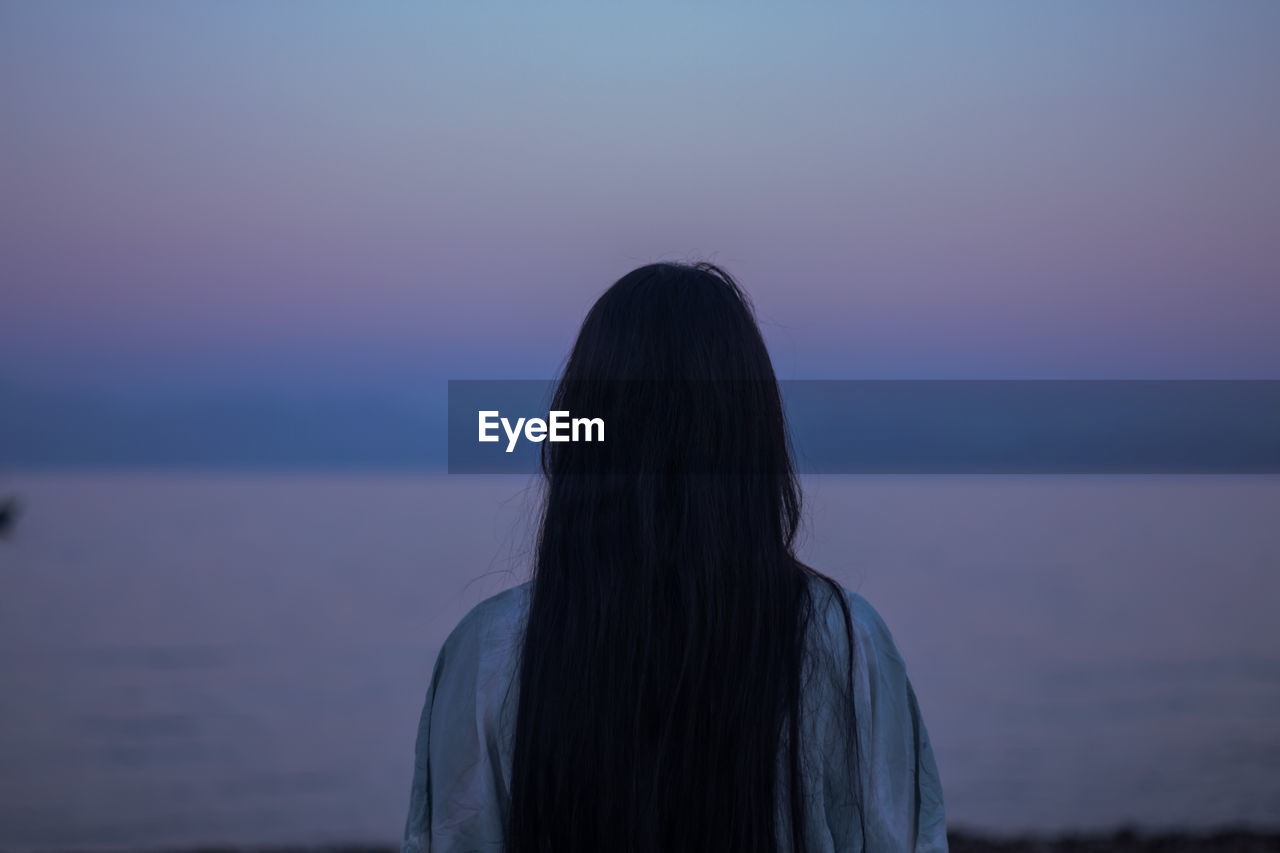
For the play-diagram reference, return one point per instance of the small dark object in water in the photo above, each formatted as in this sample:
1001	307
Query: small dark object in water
9	508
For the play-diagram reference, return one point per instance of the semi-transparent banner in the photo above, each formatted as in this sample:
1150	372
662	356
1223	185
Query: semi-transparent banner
887	426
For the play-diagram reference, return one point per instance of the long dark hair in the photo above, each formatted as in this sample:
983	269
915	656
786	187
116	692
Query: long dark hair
663	661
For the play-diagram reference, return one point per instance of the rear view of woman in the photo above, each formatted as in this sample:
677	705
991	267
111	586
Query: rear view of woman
672	678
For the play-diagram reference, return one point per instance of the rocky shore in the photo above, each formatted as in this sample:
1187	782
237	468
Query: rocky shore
1125	841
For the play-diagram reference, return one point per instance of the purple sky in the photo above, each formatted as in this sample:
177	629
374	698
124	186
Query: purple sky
314	196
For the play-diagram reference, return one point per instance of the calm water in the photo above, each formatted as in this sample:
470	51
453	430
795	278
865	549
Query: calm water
190	659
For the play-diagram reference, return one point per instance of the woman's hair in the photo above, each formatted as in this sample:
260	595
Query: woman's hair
663	661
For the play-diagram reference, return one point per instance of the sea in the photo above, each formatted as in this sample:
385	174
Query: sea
195	659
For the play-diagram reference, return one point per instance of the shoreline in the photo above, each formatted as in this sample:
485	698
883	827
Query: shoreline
961	841
1225	840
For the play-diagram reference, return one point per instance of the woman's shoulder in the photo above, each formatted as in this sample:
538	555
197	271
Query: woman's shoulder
491	625
837	611
499	607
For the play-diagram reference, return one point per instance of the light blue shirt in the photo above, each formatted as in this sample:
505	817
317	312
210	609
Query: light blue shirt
462	759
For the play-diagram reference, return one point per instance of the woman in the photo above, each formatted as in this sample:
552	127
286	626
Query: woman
672	678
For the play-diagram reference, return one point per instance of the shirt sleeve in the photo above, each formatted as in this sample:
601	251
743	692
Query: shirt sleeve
897	788
458	799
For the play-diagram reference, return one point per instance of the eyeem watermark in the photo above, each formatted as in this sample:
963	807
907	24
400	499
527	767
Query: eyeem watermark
559	426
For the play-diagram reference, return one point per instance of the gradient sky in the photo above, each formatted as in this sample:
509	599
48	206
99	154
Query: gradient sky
354	195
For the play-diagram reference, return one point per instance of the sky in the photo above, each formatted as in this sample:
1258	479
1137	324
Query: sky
221	200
